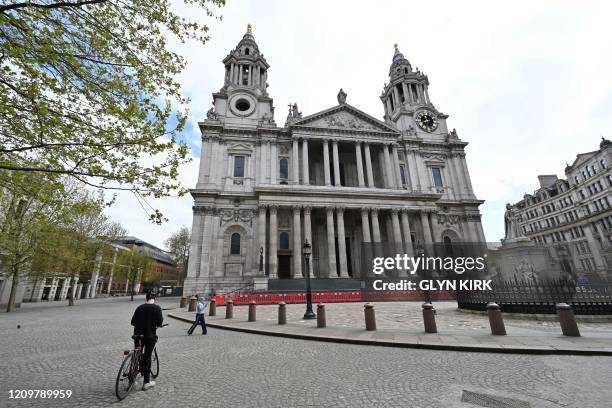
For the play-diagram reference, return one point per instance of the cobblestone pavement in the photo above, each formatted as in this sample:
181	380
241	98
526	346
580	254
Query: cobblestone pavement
408	316
80	348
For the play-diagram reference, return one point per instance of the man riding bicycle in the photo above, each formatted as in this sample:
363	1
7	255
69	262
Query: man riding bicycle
147	318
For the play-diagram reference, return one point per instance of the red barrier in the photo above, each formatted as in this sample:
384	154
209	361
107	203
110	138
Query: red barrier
332	297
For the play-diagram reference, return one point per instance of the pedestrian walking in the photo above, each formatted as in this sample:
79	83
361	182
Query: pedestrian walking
199	317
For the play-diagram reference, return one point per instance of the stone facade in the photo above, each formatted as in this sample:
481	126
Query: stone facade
336	178
573	216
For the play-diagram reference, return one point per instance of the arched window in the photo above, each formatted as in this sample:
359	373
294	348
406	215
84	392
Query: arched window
246	51
283	169
235	244
284	240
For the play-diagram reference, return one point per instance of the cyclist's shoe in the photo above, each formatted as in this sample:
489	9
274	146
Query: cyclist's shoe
148	385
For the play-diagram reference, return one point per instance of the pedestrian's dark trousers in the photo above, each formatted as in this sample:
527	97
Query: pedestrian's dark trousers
149	345
199	319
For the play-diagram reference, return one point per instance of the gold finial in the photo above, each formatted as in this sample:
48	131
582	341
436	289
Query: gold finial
249	28
396	45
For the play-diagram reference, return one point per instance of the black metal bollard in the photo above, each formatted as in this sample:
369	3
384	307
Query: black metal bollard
229	309
567	320
321	320
429	319
212	309
282	313
252	311
496	321
370	317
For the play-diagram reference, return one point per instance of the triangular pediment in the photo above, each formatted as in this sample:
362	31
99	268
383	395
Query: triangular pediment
582	158
345	117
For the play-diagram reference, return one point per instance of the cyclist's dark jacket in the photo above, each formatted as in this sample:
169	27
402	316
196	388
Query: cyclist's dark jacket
146	319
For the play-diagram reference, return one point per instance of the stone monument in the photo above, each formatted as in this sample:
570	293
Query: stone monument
519	257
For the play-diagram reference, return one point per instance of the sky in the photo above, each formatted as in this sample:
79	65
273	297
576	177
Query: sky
527	84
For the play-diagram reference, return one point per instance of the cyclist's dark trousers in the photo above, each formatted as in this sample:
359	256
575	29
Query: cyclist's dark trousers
199	320
149	345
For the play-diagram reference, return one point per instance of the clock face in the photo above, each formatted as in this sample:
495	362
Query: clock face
426	121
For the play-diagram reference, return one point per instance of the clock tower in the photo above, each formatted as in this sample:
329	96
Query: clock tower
406	101
244	101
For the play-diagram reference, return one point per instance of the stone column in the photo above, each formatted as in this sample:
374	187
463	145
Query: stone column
112	271
261	225
412	171
207	233
388	167
273	253
375	225
426	94
341	243
94	276
296	162
273	163
336	163
396	164
204	162
365	225
397	232
264	162
326	162
331	244
193	266
297	242
406	230
397	96
359	164
368	160
426	229
305	172
308	233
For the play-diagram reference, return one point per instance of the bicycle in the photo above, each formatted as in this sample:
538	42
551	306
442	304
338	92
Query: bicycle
130	370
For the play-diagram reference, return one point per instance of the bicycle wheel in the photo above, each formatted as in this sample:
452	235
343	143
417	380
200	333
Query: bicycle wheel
154	364
125	378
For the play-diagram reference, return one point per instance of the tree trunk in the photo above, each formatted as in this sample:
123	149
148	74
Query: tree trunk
132	290
14	284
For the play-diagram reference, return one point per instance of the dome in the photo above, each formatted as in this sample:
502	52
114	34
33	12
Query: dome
248	40
399	64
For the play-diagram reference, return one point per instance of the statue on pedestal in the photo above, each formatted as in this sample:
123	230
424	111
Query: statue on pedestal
511	224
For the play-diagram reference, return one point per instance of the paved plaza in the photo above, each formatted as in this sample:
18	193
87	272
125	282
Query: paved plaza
401	324
80	348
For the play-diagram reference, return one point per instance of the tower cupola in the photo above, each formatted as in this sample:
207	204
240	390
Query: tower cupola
245	66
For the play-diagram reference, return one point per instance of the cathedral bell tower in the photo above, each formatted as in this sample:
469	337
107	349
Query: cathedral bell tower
243	101
406	100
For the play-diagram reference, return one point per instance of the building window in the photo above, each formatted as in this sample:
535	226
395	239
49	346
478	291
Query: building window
437	176
284	240
238	166
403	174
235	244
283	168
602	162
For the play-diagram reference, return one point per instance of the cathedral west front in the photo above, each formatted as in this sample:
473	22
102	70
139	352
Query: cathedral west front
337	178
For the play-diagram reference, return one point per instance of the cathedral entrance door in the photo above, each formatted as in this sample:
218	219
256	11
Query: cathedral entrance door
284	266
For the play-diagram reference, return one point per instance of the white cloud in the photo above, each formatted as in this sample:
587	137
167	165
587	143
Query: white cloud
526	83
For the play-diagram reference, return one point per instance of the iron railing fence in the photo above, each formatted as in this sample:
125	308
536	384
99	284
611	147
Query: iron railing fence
514	296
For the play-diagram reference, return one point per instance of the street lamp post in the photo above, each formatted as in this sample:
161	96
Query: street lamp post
420	250
307	251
